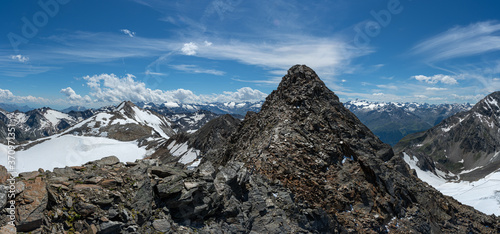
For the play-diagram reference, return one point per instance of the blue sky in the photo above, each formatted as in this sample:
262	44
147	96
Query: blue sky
66	52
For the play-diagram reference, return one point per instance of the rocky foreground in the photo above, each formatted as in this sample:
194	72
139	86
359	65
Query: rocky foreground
303	164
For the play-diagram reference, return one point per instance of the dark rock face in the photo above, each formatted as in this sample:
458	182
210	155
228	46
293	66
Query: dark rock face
304	164
462	142
304	139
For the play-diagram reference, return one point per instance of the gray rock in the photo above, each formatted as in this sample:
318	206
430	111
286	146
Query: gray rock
3	196
162	225
170	185
110	227
107	161
85	209
165	170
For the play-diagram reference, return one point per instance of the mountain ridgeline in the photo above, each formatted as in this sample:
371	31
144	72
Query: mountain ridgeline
392	121
468	141
303	164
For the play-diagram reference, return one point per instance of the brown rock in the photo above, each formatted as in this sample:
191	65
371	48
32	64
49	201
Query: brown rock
78	168
85	209
4	174
109	183
61	186
29	175
31	204
8	229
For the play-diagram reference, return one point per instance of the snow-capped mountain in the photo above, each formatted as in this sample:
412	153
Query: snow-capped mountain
36	123
124	122
233	108
191	117
466	144
191	121
391	121
127	132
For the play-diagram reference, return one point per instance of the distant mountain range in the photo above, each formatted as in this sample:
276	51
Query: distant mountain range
14	107
391	121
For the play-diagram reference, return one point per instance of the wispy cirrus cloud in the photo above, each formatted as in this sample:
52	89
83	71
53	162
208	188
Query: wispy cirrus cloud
461	41
189	68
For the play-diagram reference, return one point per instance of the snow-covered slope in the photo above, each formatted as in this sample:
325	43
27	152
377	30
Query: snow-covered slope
60	151
483	194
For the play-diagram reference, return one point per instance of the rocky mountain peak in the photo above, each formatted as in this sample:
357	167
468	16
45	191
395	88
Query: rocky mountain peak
299	76
300	87
489	106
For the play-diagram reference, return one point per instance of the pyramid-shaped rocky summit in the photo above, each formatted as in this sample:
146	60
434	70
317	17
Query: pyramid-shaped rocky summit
304	139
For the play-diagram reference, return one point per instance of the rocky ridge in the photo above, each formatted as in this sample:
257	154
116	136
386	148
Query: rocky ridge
467	141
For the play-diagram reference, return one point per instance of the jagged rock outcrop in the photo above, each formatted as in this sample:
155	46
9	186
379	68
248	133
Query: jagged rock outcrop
207	143
304	164
463	142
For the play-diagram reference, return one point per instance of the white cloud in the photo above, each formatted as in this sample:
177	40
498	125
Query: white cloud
75	98
20	58
128	32
8	96
207	43
343	81
435	89
111	89
378	94
244	94
327	56
189	48
196	69
458	42
445	79
468	97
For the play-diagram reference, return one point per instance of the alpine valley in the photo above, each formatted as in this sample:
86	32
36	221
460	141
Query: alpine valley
299	162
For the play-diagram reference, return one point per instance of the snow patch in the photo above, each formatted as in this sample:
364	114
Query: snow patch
55	116
69	150
483	195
